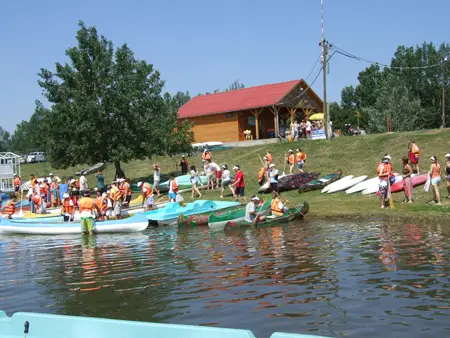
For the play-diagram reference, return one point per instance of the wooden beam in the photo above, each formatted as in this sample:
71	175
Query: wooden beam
274	111
292	112
256	113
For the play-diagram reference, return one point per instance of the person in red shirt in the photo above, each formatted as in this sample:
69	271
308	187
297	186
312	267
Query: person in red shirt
238	183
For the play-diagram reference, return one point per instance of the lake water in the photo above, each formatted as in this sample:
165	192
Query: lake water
352	278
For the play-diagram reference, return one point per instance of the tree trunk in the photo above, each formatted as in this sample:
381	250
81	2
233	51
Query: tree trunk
119	172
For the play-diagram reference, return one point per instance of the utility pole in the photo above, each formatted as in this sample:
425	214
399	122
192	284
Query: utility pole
324	45
444	60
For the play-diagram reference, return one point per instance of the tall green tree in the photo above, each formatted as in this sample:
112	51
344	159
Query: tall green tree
106	106
5	140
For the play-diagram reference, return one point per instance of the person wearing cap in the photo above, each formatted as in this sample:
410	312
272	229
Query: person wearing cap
414	154
52	176
291	160
68	208
17	184
251	210
263	172
300	158
100	181
116	196
156	178
206	155
87	208
226	180
384	171
184	165
83	183
195	179
277	206
239	184
147	194
273	175
268	157
447	174
217	173
435	175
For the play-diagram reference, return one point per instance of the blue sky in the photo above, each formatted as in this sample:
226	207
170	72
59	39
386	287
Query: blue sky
202	45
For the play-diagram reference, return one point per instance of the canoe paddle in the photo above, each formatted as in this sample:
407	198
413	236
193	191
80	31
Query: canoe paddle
257	215
391	200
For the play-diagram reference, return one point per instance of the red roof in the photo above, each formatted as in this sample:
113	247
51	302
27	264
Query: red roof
235	100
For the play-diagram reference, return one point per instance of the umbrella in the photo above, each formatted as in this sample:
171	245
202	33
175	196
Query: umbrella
316	117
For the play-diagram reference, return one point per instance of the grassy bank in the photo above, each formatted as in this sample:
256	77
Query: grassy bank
354	155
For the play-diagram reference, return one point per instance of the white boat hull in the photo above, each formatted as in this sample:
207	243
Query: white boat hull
328	187
362	186
347	184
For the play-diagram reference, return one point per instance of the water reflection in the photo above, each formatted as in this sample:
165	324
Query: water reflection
322	278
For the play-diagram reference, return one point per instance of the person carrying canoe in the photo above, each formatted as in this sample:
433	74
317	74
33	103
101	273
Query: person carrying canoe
68	208
384	171
251	210
10	207
87	208
147	194
173	188
226	180
273	174
184	165
300	158
268	157
414	155
239	183
117	197
156	178
277	206
291	160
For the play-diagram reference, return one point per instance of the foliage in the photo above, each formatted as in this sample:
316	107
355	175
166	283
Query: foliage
106	106
380	91
235	85
5	140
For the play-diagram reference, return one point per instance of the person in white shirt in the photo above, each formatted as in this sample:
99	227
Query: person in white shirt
209	170
251	211
226	180
83	184
217	172
156	179
58	180
308	129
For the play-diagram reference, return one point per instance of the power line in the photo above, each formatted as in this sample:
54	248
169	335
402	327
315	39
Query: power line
358	58
314	67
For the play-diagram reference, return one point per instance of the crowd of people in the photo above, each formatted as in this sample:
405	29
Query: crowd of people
303	130
410	167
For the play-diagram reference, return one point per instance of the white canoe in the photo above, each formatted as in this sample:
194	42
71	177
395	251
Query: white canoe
347	184
328	187
375	185
135	223
363	185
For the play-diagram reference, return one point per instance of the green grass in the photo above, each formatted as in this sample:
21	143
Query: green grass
353	155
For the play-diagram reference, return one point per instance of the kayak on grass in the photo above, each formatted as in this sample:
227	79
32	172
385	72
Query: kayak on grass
347	184
328	187
289	215
194	221
320	182
416	181
289	182
217	222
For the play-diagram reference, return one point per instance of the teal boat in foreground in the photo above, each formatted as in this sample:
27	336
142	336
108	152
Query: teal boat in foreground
36	325
169	214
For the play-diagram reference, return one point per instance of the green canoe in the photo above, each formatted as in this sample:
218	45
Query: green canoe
320	182
217	222
193	221
289	215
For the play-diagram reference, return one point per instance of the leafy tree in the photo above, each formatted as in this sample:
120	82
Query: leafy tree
106	106
5	140
236	84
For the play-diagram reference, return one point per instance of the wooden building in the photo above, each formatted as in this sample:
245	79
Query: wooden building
264	110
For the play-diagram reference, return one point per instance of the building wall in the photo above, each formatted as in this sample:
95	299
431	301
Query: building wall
216	128
266	121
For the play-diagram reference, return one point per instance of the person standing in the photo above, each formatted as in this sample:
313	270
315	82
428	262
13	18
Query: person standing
54	189
10	207
447	174
117	198
184	165
194	181
173	188
209	171
414	154
156	178
296	130
100	181
291	161
147	195
268	157
300	158
126	191
273	175
226	180
87	206
217	172
17	184
384	171
308	129
435	174
206	155
68	208
58	180
83	183
407	181
262	174
239	183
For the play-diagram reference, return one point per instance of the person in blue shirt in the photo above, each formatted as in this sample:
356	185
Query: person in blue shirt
273	175
100	181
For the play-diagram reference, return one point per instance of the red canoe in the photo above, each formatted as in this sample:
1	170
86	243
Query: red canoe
416	180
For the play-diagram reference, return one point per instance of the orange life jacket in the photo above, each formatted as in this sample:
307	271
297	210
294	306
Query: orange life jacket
116	194
291	159
10	208
17	182
415	149
37	199
99	201
275	207
206	156
67	207
269	158
174	185
383	169
149	191
261	173
86	204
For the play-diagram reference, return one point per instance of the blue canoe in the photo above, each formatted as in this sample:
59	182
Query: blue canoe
169	214
136	223
57	326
